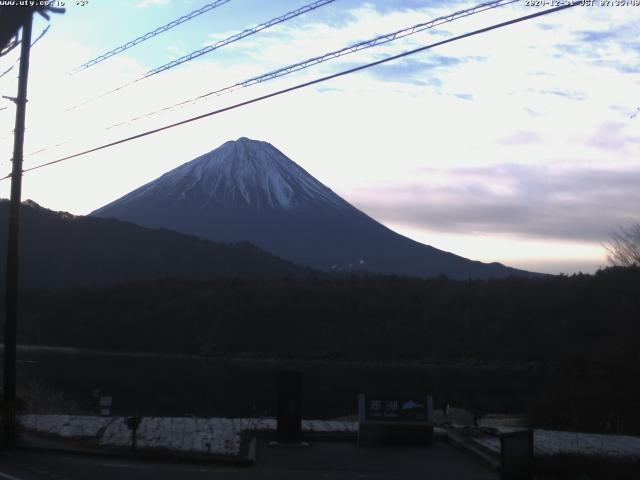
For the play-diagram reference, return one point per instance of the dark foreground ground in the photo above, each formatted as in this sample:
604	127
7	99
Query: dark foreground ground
327	460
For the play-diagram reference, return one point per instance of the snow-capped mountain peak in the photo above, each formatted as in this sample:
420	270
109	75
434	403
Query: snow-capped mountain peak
246	190
244	173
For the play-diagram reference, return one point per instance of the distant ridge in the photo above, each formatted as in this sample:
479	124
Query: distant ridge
58	249
247	190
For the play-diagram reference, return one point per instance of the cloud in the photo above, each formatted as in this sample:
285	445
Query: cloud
417	72
150	3
605	47
521	138
564	203
613	137
176	51
565	93
595	36
387	6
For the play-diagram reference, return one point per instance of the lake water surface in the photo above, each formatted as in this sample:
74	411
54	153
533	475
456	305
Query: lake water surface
168	386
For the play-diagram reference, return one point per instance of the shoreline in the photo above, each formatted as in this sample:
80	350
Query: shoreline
465	364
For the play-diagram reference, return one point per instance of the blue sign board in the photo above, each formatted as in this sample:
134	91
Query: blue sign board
397	409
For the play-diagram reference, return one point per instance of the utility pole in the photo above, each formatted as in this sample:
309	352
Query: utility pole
11	289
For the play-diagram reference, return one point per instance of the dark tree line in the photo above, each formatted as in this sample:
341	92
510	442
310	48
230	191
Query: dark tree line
585	327
358	317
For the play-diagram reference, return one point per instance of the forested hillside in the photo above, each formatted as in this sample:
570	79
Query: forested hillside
58	250
583	330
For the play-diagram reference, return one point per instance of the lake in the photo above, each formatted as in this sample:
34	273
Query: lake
156	385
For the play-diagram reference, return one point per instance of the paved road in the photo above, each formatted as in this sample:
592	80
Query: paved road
337	460
333	461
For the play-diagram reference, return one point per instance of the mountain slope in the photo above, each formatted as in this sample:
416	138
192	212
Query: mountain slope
247	190
58	249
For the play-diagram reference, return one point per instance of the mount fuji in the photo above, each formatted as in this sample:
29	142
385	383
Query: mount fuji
248	190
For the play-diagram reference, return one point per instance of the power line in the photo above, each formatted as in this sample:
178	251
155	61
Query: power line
379	40
210	48
42	34
309	83
50	147
238	36
151	34
10	47
382	39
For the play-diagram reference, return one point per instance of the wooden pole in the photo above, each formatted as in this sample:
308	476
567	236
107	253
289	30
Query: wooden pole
11	291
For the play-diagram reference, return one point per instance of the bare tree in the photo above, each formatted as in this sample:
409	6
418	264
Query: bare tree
624	246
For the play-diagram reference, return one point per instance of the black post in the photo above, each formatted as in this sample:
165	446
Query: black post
11	298
132	424
289	427
517	455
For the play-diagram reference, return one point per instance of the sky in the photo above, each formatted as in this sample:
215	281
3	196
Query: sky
520	145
